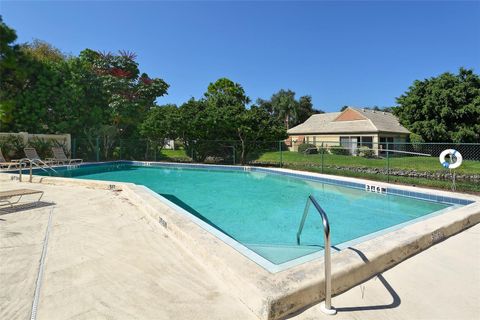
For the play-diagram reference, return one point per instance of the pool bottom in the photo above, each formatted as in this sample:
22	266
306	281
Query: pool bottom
277	258
279	254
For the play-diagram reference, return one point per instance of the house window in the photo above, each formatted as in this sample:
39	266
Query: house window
314	140
350	143
367	142
386	140
308	139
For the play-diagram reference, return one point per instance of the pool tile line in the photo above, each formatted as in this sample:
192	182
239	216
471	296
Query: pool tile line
276	171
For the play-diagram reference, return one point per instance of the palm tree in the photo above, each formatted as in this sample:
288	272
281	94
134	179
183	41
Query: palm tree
285	106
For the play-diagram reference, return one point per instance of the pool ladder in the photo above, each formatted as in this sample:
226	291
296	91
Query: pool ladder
32	162
325	306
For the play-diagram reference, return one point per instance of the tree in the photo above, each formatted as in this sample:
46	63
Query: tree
284	106
129	94
254	125
207	126
91	95
224	92
161	124
376	108
43	51
306	109
213	125
9	72
192	128
443	109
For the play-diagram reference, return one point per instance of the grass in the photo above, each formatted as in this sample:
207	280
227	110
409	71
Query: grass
430	164
463	186
174	155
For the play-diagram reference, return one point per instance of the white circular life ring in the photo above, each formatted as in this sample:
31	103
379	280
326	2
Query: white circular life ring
452	153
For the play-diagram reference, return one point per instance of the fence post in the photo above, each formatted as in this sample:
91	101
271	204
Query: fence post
120	149
388	163
155	151
281	153
322	157
74	148
146	151
97	149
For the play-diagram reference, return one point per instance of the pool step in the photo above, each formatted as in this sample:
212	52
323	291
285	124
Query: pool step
277	253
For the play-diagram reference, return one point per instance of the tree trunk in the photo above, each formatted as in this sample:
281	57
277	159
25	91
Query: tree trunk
242	157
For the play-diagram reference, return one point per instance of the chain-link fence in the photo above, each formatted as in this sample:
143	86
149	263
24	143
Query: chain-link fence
405	163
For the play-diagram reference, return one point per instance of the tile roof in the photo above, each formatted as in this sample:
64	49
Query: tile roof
376	121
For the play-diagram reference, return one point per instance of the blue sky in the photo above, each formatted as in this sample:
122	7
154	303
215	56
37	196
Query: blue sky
341	53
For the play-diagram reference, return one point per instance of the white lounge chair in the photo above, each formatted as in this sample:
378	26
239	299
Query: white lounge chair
60	157
6	196
4	164
32	155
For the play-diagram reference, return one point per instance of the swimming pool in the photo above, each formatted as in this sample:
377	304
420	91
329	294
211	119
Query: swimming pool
261	209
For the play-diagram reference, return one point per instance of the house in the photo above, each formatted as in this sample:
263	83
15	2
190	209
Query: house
351	128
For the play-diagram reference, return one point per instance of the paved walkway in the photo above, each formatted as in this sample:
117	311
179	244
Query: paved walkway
442	282
105	261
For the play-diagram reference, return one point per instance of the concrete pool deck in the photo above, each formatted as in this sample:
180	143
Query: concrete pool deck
106	259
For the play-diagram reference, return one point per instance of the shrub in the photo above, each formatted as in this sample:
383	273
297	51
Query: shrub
305	146
365	152
417	142
42	146
338	150
12	147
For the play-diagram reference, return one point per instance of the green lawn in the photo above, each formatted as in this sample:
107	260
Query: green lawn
462	186
174	155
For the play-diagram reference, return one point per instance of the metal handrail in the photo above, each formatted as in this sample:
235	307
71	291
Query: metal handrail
33	162
327	306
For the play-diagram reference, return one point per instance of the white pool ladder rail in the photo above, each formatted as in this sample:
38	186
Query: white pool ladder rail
325	306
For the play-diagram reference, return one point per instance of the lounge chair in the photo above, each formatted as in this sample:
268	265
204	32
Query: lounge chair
60	157
6	196
32	155
4	164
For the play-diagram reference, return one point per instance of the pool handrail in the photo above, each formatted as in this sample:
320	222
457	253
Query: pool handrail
32	162
326	307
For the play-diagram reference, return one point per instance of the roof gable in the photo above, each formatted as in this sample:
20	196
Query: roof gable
350	114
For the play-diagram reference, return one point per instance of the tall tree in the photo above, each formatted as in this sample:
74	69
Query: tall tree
256	125
10	73
160	124
224	92
130	94
213	125
284	106
93	95
444	108
306	109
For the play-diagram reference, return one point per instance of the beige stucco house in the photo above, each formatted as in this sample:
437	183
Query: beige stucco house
351	128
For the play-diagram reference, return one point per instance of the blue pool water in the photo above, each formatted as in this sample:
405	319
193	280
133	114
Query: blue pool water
262	211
